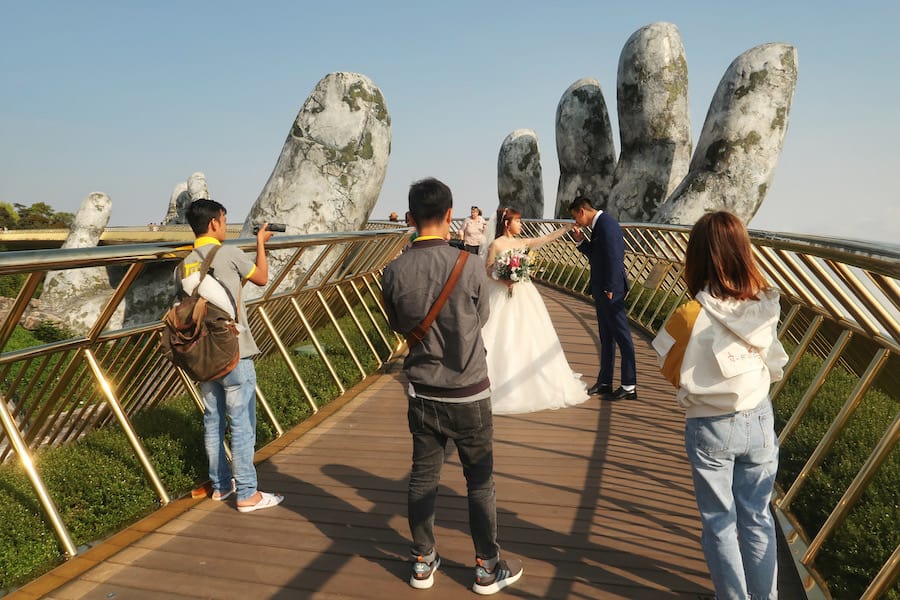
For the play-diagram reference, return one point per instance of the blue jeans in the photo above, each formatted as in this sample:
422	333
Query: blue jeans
231	400
733	462
471	427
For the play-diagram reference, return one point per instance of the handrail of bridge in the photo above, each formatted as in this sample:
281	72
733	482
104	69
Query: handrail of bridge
840	302
53	394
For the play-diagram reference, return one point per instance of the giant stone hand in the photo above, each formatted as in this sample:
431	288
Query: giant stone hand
327	178
654	179
333	162
331	168
184	193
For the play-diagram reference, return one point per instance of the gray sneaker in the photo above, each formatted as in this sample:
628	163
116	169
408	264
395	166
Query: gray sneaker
504	573
422	576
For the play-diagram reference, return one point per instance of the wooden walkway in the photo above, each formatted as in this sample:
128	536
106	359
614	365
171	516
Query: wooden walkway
596	500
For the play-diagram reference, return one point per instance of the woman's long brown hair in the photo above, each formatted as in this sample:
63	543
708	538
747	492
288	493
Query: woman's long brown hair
719	257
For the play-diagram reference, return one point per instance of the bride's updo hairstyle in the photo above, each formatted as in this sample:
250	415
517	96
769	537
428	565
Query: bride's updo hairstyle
505	215
719	257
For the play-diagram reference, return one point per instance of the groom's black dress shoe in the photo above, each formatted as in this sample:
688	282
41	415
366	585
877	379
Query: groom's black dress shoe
600	388
621	394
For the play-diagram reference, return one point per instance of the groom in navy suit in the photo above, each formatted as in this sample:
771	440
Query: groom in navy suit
606	253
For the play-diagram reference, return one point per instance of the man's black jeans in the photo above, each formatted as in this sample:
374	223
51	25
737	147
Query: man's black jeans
470	426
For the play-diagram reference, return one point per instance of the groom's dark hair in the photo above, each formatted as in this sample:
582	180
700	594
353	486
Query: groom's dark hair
580	202
429	201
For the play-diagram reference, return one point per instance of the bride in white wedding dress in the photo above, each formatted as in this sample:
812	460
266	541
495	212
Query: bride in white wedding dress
526	363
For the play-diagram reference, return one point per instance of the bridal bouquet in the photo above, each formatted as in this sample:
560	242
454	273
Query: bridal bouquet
513	265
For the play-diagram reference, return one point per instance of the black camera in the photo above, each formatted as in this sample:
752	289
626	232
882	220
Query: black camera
272	227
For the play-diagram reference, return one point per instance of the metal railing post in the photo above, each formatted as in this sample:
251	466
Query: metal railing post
287	359
837	425
21	450
130	433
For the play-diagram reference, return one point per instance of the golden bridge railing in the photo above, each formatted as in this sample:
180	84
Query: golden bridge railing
840	303
52	394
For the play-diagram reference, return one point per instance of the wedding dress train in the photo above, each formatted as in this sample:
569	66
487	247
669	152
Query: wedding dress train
526	363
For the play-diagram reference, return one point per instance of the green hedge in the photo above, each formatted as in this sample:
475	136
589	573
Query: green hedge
98	483
649	303
858	548
21	338
574	278
98	486
11	284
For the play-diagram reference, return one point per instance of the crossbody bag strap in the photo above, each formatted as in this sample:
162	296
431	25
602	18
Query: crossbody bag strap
418	333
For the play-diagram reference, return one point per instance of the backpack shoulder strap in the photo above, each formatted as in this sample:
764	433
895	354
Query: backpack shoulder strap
204	268
207	262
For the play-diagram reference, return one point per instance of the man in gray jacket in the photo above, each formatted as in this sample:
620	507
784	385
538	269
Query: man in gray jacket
449	390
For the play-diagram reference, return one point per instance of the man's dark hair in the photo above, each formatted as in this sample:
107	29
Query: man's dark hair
200	212
580	202
429	201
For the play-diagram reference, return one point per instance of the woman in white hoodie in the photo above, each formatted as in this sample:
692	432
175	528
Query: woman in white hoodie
721	352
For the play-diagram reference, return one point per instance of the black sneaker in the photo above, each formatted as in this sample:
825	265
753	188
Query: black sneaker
422	576
505	573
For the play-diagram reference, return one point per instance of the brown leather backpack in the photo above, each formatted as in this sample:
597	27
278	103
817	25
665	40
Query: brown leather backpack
200	337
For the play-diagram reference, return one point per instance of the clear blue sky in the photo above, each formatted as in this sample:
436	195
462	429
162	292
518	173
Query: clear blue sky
130	98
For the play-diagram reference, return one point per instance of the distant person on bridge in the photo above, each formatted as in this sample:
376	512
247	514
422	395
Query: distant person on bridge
721	351
472	231
412	225
449	391
233	396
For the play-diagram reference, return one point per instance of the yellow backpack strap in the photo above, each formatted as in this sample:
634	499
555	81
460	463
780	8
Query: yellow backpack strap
679	326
